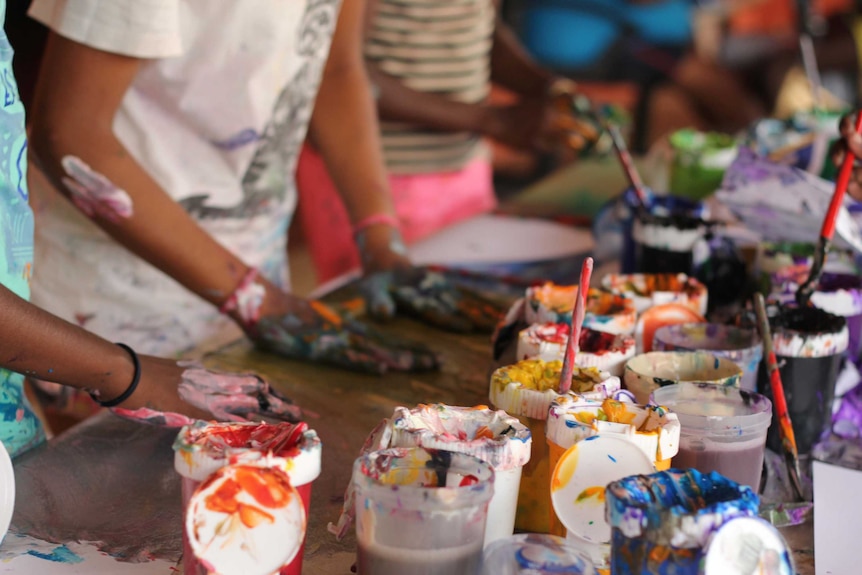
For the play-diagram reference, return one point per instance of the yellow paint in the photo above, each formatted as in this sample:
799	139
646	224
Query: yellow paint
534	495
565	469
616	412
540	375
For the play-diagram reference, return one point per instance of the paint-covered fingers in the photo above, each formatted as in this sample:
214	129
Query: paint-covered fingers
850	140
375	290
235	397
400	355
483	313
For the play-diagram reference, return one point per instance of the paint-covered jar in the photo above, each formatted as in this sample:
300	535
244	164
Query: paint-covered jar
809	344
420	511
605	311
699	162
661	523
492	436
534	554
723	429
599	349
739	345
666	243
648	290
572	419
203	448
244	519
647	372
526	390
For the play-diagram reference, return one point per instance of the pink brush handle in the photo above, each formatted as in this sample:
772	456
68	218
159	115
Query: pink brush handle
577	321
846	171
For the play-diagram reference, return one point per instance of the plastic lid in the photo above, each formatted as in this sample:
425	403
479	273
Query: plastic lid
745	545
7	491
245	519
534	554
578	482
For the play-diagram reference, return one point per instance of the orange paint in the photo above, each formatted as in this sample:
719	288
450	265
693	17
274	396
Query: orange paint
662	315
484	433
616	412
565	469
269	490
326	312
596	492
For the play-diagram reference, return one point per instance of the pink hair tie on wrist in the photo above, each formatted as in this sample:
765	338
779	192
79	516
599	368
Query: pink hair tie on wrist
375	220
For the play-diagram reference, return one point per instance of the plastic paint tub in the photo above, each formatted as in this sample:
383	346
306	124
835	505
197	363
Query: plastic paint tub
723	429
578	485
741	346
244	519
647	372
648	290
699	162
661	523
492	436
665	244
602	350
420	511
841	294
526	390
809	344
551	303
653	429
534	554
658	317
203	448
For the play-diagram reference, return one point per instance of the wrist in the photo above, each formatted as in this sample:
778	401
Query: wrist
489	122
381	248
121	386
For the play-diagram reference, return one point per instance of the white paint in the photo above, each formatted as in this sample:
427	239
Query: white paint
93	193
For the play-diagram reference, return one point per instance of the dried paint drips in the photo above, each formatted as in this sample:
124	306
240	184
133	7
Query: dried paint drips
661	522
605	311
246	300
94	194
154	417
234	397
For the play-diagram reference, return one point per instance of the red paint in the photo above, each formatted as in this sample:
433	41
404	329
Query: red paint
597	342
577	322
270	490
844	174
780	402
469	480
281	439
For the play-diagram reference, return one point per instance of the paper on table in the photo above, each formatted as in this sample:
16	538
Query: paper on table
494	239
784	203
24	555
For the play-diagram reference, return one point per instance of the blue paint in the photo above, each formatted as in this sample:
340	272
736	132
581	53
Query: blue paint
236	141
592	437
61	554
612	458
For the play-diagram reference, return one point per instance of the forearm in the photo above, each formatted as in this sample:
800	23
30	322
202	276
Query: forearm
38	344
399	103
158	229
512	67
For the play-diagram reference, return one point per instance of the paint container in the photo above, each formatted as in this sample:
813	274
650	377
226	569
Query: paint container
203	448
420	511
809	344
578	487
723	429
661	523
244	519
741	346
665	243
699	162
534	554
492	436
602	350
648	290
658	317
570	420
526	390
648	372
605	311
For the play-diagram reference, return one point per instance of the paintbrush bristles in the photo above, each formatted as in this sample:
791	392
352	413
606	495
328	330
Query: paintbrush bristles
578	313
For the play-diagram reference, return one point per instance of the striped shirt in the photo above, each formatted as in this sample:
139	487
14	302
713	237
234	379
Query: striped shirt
437	46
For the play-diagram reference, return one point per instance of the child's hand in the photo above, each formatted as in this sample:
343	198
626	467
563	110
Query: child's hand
429	297
176	394
311	331
851	140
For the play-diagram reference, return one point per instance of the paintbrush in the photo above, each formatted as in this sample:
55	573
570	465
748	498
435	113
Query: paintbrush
806	48
827	232
627	163
785	427
578	312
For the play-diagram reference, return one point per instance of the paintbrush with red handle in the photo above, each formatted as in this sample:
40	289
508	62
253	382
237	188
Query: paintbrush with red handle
577	321
779	403
827	232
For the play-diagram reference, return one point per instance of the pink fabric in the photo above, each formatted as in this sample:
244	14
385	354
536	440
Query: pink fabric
425	203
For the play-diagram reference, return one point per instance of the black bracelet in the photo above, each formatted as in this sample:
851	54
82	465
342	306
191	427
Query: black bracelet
136	379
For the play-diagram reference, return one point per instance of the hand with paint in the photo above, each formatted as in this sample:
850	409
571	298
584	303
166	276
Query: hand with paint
430	297
174	394
311	331
851	140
